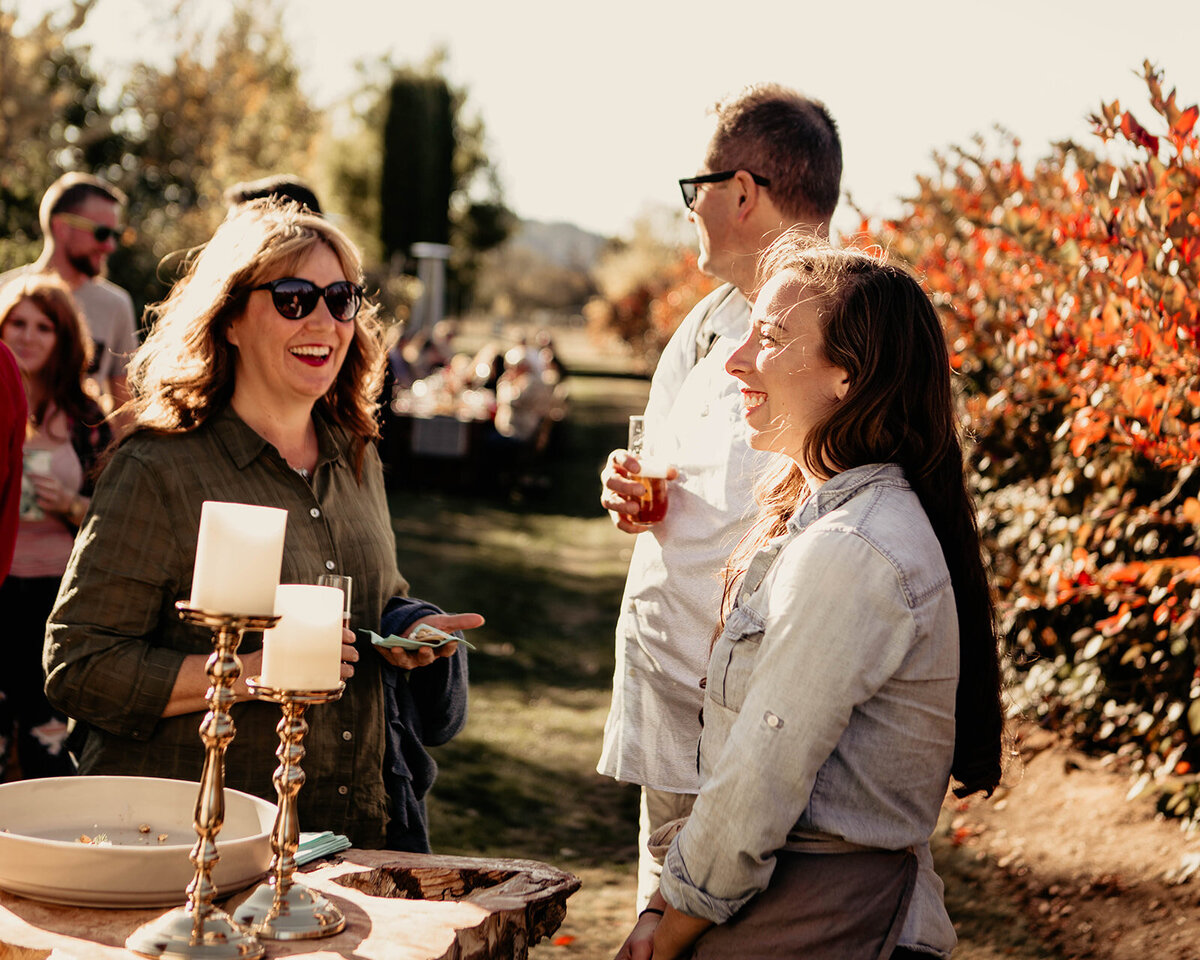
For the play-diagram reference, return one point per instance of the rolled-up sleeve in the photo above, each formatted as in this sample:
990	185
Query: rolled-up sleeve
836	626
101	663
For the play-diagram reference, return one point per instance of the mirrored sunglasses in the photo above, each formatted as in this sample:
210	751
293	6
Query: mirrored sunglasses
295	298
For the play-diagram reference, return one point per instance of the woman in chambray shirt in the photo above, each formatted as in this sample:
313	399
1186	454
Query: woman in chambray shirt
856	669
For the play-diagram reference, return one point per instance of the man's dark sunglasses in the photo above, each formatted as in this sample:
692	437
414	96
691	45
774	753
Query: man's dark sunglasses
688	184
296	298
102	232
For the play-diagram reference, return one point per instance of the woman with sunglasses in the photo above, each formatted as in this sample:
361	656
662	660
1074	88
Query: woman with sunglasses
256	384
855	672
64	436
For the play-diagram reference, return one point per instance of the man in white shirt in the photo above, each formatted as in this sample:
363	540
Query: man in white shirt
774	163
81	224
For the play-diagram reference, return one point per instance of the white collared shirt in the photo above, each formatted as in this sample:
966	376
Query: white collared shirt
672	595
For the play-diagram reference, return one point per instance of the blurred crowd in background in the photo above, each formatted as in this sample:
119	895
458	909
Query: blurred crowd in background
496	408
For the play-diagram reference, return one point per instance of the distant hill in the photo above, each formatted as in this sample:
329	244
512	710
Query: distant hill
563	244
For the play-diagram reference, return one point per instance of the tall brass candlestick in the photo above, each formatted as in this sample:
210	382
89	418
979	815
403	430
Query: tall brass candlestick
199	930
282	909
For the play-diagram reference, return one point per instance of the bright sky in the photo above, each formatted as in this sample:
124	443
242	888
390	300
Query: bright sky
593	111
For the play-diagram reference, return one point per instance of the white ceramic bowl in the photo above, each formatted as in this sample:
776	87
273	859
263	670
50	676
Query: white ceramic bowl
41	855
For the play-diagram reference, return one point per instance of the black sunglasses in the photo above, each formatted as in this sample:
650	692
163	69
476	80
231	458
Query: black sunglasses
295	298
100	231
688	184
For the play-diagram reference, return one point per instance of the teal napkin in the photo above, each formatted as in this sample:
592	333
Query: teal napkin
313	846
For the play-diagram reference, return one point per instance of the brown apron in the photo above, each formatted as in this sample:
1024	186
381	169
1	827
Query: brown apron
828	899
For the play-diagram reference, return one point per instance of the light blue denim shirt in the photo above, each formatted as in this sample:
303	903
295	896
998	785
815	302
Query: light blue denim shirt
830	701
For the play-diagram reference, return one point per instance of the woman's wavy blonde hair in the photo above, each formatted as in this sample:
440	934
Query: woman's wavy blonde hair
184	371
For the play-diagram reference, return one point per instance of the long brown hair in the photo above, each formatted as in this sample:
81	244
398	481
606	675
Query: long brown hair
880	327
62	378
184	371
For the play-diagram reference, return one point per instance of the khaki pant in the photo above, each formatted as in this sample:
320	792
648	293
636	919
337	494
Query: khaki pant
658	807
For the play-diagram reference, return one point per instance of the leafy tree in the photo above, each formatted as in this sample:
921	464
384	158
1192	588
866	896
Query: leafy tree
418	162
51	120
1069	292
173	141
203	124
424	174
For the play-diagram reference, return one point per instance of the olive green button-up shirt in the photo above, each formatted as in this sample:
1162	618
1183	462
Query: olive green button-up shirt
115	643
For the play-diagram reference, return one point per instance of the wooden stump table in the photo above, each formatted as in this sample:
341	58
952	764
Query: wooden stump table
398	906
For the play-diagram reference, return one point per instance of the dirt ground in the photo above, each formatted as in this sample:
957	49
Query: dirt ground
1091	874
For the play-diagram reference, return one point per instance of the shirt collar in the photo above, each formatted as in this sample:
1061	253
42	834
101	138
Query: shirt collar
244	445
731	317
838	489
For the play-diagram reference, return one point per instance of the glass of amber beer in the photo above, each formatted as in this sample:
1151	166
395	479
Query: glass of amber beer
652	474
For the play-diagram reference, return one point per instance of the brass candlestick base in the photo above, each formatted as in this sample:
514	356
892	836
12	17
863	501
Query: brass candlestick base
198	930
282	909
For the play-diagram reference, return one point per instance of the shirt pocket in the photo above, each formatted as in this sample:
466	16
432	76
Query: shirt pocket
734	658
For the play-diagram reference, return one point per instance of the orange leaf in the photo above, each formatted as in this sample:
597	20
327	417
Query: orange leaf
1185	121
1134	268
1191	510
1174	206
1128	573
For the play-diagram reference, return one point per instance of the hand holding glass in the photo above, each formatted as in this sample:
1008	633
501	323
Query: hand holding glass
342	583
652	474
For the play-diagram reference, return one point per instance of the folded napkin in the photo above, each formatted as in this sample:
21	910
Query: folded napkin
313	846
410	644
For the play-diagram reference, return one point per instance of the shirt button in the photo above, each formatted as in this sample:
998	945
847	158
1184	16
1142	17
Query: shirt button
329	564
314	513
347	735
343	790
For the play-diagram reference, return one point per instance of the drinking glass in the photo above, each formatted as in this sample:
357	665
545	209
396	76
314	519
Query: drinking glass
345	584
652	474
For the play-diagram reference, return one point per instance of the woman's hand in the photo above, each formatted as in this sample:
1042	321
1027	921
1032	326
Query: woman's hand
51	495
639	945
424	656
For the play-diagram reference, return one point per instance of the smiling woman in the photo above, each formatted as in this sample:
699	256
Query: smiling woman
855	673
256	385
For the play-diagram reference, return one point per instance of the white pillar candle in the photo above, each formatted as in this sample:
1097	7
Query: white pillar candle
304	650
239	552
